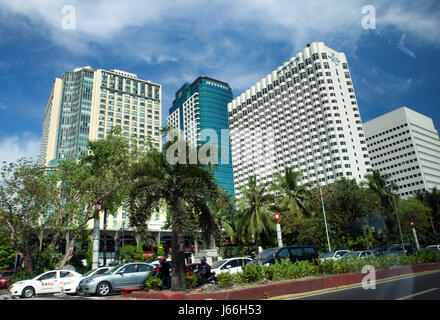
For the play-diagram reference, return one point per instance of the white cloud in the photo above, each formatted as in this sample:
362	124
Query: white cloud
23	145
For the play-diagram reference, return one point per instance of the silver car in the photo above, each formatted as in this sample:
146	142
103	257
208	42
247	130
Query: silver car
116	278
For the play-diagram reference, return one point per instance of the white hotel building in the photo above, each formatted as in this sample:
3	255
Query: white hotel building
303	115
405	145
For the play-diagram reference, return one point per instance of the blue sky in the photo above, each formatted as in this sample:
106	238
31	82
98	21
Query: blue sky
237	41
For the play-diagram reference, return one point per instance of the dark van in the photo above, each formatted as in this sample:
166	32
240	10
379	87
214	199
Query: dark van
294	253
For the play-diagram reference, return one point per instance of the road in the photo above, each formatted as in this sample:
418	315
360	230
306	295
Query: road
424	286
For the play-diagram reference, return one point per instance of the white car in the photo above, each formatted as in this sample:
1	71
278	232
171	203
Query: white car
334	255
232	265
435	247
54	281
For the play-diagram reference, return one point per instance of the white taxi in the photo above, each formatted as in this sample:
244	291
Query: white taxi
54	281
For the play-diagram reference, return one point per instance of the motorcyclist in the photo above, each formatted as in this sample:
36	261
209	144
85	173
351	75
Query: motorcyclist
204	270
163	272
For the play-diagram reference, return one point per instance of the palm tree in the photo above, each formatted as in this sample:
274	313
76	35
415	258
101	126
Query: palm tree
293	196
223	209
254	210
380	186
186	190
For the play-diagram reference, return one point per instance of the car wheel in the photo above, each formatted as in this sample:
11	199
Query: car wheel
103	289
28	292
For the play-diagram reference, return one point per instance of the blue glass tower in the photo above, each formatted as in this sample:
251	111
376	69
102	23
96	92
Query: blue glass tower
204	105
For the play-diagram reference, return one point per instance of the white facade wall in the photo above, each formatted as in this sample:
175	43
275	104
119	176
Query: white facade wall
405	145
303	115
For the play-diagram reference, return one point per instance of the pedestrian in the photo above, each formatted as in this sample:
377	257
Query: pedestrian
164	273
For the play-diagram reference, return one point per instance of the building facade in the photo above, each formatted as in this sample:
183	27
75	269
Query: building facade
303	115
85	105
200	108
405	146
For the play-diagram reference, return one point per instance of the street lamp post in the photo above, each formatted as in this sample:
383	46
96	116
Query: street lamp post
325	219
398	221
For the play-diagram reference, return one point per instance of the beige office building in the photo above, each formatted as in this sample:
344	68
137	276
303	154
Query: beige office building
85	105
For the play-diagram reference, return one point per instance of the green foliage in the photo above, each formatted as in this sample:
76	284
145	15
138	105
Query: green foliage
251	273
130	253
225	280
193	281
152	283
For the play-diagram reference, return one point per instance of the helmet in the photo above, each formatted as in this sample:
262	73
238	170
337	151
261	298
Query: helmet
203	260
162	261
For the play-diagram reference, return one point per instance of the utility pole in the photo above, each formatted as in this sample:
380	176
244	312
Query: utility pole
398	222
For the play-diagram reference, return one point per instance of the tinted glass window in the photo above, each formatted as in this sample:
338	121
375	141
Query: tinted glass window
283	254
232	263
143	268
50	275
102	271
129	269
297	252
309	251
64	274
266	254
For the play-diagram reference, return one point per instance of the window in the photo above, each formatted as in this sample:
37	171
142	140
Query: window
65	274
49	275
283	254
143	268
129	269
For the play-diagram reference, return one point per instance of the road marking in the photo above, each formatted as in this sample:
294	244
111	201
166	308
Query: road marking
417	294
294	296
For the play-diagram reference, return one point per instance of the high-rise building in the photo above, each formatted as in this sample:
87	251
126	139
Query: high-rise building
85	104
303	115
202	106
405	146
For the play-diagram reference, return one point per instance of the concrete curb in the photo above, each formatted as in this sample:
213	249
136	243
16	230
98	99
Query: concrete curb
282	288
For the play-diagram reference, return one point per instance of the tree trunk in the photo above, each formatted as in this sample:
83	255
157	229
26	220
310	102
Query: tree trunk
105	238
256	244
68	255
178	282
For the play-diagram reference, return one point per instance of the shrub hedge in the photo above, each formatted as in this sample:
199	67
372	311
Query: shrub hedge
285	270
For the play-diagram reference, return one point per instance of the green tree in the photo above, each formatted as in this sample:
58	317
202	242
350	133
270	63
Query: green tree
432	200
23	198
382	188
413	209
186	188
292	195
102	175
254	208
7	253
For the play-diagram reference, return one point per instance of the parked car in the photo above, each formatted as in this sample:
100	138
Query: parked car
116	278
5	275
397	249
293	253
435	247
54	281
192	268
356	255
333	255
378	252
231	265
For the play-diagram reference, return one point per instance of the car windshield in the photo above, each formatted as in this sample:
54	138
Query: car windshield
218	264
266	254
89	272
328	254
111	270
